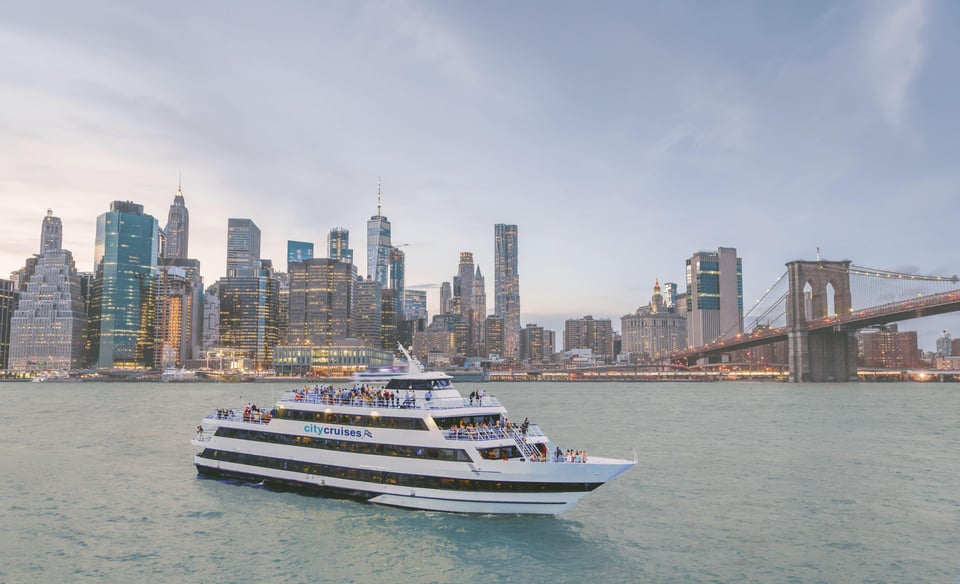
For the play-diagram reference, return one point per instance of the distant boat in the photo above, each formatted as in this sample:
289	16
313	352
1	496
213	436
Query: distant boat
181	374
51	376
380	376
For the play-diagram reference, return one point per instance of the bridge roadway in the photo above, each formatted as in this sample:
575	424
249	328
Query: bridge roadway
855	320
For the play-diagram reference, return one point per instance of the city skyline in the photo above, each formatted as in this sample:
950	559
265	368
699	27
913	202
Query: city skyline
776	133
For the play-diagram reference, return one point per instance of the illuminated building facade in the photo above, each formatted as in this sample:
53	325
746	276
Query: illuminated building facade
123	296
321	296
507	286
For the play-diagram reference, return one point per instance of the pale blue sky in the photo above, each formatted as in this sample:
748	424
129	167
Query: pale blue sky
620	137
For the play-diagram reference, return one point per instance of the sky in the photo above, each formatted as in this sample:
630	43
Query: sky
621	137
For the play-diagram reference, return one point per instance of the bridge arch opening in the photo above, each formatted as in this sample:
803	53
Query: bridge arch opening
830	294
808	302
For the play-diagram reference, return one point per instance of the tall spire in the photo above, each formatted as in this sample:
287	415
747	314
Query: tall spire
378	197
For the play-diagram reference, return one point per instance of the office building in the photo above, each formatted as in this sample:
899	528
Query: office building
123	296
249	315
297	251
321	295
243	248
177	317
588	333
534	347
446	295
389	320
507	286
342	358
714	296
367	321
654	331
945	345
210	338
47	328
414	304
889	348
397	260
378	247
8	301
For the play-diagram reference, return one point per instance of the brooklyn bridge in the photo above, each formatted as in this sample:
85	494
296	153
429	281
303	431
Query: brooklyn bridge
817	307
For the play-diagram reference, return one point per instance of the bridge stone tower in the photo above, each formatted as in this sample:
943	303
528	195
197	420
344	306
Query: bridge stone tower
826	354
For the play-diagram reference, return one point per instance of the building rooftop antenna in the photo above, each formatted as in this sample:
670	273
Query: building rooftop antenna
378	197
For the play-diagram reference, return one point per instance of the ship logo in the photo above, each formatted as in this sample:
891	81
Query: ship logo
367	434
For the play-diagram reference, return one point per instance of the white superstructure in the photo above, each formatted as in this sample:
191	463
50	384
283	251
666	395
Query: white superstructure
417	443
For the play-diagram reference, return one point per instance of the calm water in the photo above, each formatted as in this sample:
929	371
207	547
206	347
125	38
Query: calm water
736	483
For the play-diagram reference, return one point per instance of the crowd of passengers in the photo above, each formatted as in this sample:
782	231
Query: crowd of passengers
358	395
251	413
570	455
502	428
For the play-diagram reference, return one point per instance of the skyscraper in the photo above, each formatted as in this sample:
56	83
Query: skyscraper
589	333
243	248
367	312
338	245
177	320
414	304
397	260
51	233
8	300
714	296
378	246
249	315
321	296
507	286
46	330
178	228
47	327
297	251
493	336
446	294
123	298
533	347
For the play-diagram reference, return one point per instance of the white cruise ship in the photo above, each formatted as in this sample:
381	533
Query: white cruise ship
417	443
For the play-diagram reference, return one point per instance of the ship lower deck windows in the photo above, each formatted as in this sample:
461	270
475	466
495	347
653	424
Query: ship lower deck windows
391	478
356	447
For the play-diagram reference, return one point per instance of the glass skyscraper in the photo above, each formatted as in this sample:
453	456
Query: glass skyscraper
122	308
338	245
243	248
249	316
714	296
378	247
297	251
507	286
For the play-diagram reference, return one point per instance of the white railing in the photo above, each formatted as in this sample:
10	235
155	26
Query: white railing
395	402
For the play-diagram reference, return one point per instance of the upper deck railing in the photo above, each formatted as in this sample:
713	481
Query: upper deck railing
491	433
396	402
